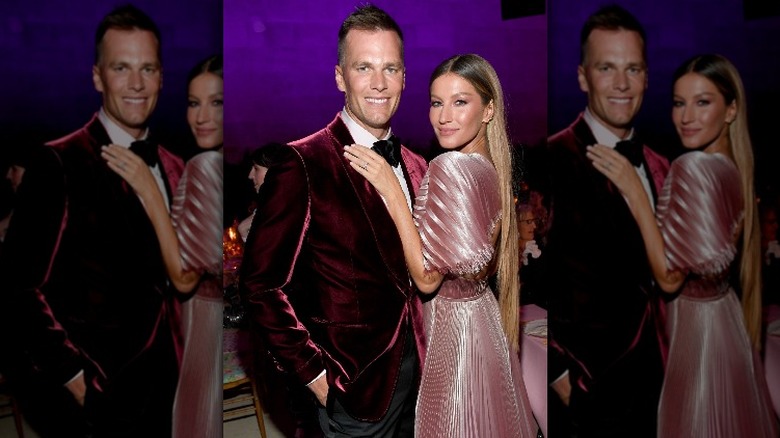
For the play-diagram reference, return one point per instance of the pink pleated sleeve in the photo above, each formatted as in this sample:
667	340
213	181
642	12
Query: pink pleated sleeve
699	210
456	211
197	213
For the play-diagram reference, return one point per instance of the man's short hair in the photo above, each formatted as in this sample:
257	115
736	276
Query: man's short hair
371	18
126	17
612	17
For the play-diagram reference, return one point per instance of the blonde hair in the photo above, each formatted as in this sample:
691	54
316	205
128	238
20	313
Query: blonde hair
721	72
479	73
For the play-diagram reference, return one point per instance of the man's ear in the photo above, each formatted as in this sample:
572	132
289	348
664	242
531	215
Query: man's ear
340	79
96	78
582	79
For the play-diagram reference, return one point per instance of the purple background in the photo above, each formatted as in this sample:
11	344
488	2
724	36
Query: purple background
676	30
280	59
47	47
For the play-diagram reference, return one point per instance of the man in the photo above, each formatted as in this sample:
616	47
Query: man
85	288
606	357
324	269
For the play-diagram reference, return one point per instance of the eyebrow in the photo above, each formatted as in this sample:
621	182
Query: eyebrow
456	95
698	95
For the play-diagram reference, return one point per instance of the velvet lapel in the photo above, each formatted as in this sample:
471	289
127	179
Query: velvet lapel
583	138
171	168
113	185
98	137
413	177
657	169
378	219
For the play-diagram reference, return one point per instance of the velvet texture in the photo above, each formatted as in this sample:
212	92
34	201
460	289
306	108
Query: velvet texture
84	283
605	318
324	273
714	384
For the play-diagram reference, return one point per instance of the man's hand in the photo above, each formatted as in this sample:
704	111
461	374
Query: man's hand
563	387
320	389
78	387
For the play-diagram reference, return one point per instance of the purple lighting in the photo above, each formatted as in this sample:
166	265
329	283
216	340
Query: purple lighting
280	59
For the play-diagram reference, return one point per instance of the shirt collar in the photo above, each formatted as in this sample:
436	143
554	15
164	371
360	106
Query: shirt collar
118	135
601	133
359	133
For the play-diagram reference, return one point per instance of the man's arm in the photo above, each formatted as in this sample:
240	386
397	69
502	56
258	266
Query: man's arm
272	249
29	251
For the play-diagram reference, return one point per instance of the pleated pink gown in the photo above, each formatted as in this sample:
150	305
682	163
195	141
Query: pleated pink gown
471	384
714	386
197	217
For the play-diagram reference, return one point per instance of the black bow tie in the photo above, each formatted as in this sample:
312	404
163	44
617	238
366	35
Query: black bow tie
147	150
390	149
631	149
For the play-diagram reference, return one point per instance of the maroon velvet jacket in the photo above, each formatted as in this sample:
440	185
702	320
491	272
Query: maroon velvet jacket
325	275
83	282
601	292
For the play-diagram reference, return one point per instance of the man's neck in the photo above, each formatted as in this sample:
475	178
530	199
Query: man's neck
360	134
116	133
602	133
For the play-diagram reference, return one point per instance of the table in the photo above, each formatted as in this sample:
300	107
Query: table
533	360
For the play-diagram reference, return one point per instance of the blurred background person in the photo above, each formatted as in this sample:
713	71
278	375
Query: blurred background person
261	159
531	221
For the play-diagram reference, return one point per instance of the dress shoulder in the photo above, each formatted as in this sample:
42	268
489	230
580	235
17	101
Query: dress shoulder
699	211
456	211
197	212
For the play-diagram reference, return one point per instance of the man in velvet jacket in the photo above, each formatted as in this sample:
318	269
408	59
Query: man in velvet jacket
605	316
324	270
95	329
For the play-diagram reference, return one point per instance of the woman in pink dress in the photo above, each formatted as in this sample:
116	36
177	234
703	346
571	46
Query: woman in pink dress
713	386
191	244
463	229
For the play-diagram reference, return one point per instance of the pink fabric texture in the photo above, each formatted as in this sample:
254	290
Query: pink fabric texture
471	383
197	217
714	385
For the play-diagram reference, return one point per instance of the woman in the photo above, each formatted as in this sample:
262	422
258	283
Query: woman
465	228
526	230
262	159
191	243
713	385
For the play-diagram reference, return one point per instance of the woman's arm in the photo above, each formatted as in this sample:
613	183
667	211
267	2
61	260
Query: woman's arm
133	170
618	169
376	170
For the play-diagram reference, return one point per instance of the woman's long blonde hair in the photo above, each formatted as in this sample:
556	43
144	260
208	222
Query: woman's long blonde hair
721	72
479	73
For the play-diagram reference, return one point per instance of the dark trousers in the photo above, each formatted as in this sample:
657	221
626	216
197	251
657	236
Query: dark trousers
624	401
136	402
139	400
399	421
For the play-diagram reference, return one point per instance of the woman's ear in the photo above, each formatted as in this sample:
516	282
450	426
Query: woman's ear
488	114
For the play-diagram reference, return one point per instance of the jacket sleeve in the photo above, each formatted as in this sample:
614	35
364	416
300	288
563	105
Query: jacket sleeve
273	248
31	246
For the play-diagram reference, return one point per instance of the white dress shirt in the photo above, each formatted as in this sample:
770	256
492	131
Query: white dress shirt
607	138
120	137
365	138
